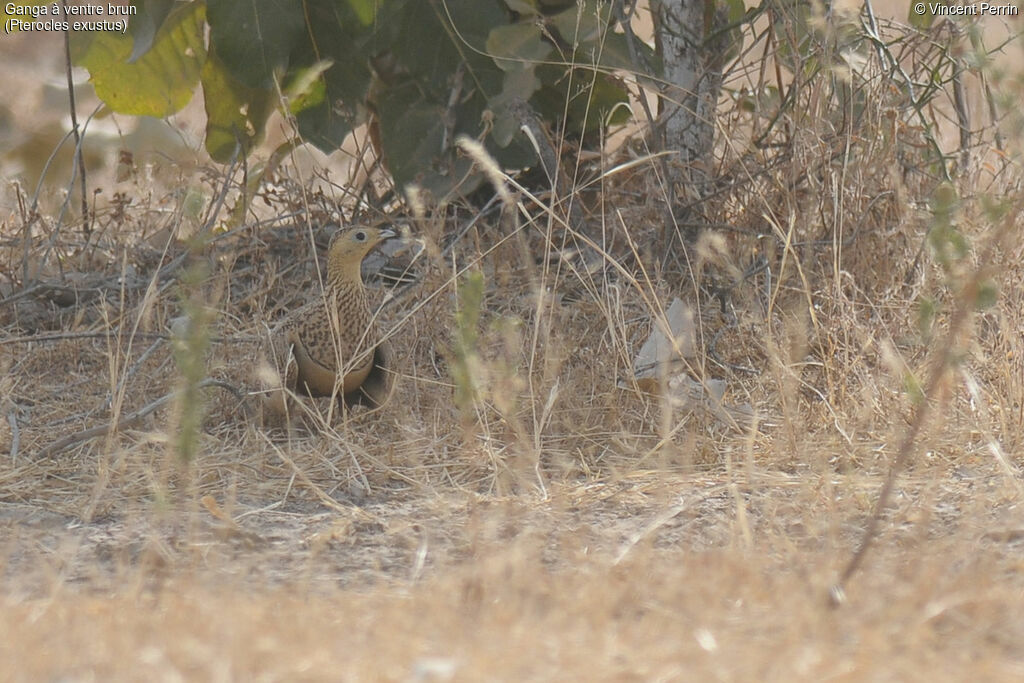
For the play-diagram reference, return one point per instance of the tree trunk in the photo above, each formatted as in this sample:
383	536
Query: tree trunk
693	75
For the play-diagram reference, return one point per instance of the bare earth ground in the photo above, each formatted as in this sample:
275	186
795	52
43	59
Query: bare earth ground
650	577
558	525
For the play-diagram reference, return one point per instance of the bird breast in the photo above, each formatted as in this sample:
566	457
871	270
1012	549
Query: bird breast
337	329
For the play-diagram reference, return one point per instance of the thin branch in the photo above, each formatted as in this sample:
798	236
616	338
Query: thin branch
111	333
128	420
86	226
946	354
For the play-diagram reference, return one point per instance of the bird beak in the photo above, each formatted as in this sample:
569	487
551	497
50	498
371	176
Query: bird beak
387	234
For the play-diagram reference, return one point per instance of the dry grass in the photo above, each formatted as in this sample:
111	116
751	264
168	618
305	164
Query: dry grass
542	519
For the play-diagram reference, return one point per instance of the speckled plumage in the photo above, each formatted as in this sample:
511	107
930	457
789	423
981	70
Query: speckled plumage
335	334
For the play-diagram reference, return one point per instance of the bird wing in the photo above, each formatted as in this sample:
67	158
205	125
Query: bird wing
376	388
311	374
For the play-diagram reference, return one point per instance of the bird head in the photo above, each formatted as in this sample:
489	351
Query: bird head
349	247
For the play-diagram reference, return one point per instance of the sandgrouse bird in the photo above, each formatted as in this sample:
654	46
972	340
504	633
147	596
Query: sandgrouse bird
330	346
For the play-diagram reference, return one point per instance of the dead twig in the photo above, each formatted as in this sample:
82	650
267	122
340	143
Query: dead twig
946	357
103	335
130	419
12	420
131	371
79	157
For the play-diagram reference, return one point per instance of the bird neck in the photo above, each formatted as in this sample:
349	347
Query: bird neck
346	286
341	274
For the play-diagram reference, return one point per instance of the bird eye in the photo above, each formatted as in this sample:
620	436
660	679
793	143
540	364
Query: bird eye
360	236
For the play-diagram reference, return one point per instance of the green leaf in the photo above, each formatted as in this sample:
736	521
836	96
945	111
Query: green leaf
431	94
306	88
160	82
147	22
518	46
585	22
365	10
235	113
338	36
412	130
459	30
254	38
585	100
554	6
523	6
518	85
418	143
613	53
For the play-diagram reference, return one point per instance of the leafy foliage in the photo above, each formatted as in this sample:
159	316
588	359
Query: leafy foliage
153	74
420	72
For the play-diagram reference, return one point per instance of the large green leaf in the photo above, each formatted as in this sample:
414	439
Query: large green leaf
306	87
147	22
612	52
323	119
417	137
366	10
458	32
442	88
337	103
586	22
162	80
254	38
518	46
584	101
235	113
431	69
412	132
519	85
